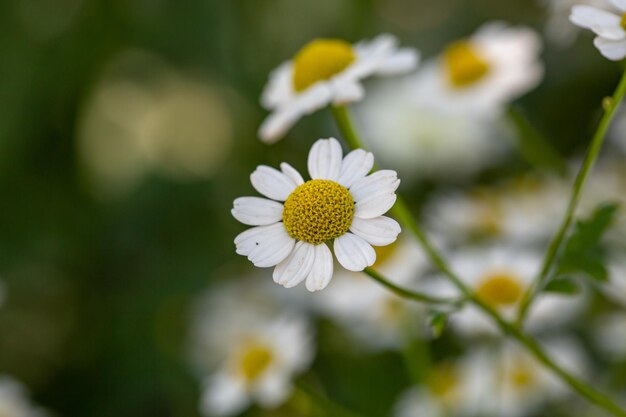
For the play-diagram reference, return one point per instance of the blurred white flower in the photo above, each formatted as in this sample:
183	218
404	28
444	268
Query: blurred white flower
482	74
559	30
522	211
341	203
144	117
420	140
246	351
373	314
14	401
608	23
615	288
499	276
609	335
324	72
617	133
502	380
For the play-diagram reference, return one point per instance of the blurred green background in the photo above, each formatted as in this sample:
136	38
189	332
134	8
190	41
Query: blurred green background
101	270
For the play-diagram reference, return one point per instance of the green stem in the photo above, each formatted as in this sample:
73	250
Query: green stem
404	216
404	293
309	403
540	281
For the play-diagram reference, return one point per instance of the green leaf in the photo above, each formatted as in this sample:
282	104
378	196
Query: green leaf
438	322
582	253
564	286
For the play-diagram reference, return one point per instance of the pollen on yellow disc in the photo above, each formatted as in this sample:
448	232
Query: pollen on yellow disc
464	64
500	289
317	211
320	60
254	360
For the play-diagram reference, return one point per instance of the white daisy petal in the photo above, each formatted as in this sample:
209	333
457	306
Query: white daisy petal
356	165
273	390
223	396
324	160
265	246
322	270
603	23
620	4
347	91
272	183
256	211
402	61
292	173
276	125
295	268
379	231
354	253
278	88
375	194
613	50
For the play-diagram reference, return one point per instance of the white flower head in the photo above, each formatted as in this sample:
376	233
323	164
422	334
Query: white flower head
14	401
246	351
341	203
327	71
609	26
483	73
500	276
376	317
559	30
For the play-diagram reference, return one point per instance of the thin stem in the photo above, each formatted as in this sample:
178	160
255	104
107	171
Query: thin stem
538	284
308	402
402	292
403	216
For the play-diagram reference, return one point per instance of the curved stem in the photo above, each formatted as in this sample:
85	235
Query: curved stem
538	284
404	293
403	216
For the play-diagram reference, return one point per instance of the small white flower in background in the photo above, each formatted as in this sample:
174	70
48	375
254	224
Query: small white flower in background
609	335
482	74
615	288
378	318
609	24
14	401
523	211
421	140
246	351
499	276
559	30
501	380
341	203
324	72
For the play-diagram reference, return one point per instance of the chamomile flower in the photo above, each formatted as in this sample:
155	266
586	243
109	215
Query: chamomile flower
14	401
341	203
608	25
483	73
378	318
246	351
500	276
559	30
327	71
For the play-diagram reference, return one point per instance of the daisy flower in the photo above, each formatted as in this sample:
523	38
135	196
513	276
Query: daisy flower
559	30
14	401
246	351
341	203
500	276
483	73
327	71
376	317
608	25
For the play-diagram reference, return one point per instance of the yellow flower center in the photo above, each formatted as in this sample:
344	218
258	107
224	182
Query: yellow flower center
443	381
320	60
465	65
622	22
522	375
500	289
317	211
489	217
254	360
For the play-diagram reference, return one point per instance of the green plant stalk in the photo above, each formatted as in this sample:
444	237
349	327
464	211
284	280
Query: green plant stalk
554	248
403	215
402	292
309	403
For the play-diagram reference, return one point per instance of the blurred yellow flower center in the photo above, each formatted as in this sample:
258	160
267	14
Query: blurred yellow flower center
317	211
522	375
465	65
443	381
393	309
622	22
254	360
320	60
500	289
